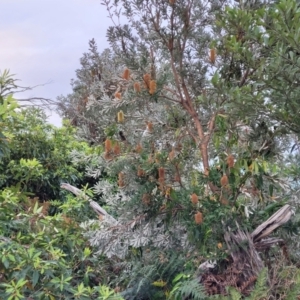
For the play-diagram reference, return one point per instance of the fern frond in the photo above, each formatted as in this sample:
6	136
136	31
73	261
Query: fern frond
295	289
261	289
189	288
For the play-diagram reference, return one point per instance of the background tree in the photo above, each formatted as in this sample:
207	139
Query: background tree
43	256
39	159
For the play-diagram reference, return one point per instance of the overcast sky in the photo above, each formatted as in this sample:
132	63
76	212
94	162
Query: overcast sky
43	40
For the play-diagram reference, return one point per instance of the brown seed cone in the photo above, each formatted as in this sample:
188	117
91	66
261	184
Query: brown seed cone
198	218
224	180
194	198
230	161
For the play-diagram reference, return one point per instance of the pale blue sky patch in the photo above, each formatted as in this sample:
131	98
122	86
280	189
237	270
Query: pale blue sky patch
42	41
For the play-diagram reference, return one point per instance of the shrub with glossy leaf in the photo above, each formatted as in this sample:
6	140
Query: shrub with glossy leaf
39	155
46	257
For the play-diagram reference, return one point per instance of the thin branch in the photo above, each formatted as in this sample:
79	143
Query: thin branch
94	205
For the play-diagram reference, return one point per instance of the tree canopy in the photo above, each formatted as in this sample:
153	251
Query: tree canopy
191	119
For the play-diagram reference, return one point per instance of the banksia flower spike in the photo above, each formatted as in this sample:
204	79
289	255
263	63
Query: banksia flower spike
146	199
152	87
224	201
172	154
230	161
121	182
224	180
198	218
161	174
107	145
138	148
149	127
120	116
161	178
137	87
140	172
108	156
117	149
147	78
118	95
168	193
212	55
126	74
194	199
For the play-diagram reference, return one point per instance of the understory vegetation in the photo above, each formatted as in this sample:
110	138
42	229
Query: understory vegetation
175	174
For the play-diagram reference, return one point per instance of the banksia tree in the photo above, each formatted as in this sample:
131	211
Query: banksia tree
184	114
173	131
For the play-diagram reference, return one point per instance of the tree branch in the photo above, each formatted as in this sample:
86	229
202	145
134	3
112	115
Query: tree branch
94	205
